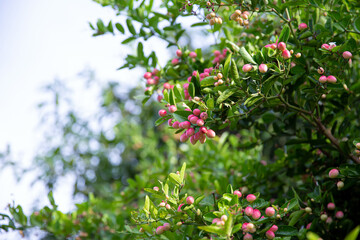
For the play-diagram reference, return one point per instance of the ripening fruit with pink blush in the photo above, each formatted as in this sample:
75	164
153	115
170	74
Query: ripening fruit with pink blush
248	236
175	125
203	130
174	61
172	108
244	227
333	173
190	200
200	122
331	206
190	116
273	228
210	133
194	119
159	98
270	235
156	188
215	220
167	86
193	141
263	68
347	55
147	75
331	79
286	54
203	115
320	70
186	125
217	53
193	55
339	214
197	136
325	46
178	53
250	226
184	137
160	230
256	214
167	206
170	122
247	68
162	113
166	226
281	46
179	208
250	197
196	112
249	211
270	211
202	139
237	192
340	185
323	79
190	132
302	26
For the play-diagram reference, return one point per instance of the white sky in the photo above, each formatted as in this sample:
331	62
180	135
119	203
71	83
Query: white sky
41	40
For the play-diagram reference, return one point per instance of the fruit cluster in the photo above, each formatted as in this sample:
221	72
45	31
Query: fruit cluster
240	17
213	19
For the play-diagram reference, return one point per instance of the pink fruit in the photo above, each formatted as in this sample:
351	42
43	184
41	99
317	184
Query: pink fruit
184	137
302	26
323	79
273	228
320	70
190	116
248	236
202	139
237	192
159	98
270	235
167	86
203	115
196	112
193	55
166	226
155	72
179	208
281	46
217	53
256	214
156	188
197	136
170	122
178	53
250	197
331	79
325	46
270	211
247	68
249	211
263	68
339	214
194	119
244	227
215	220
331	206
147	75
190	132
333	173
172	108
200	122
176	125
188	109
250	226
193	140
175	61
190	200
160	230
150	81
347	55
185	125
162	113
167	206
286	54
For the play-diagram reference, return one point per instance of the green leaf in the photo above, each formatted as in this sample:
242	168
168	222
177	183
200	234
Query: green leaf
208	81
196	81
130	26
128	40
234	73
312	236
146	207
295	216
181	116
213	229
199	24
246	56
140	50
225	95
210	103
287	231
191	90
353	234
357	24
172	97
161	121
175	178
227	66
178	92
229	225
285	34
236	228
182	172
51	199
